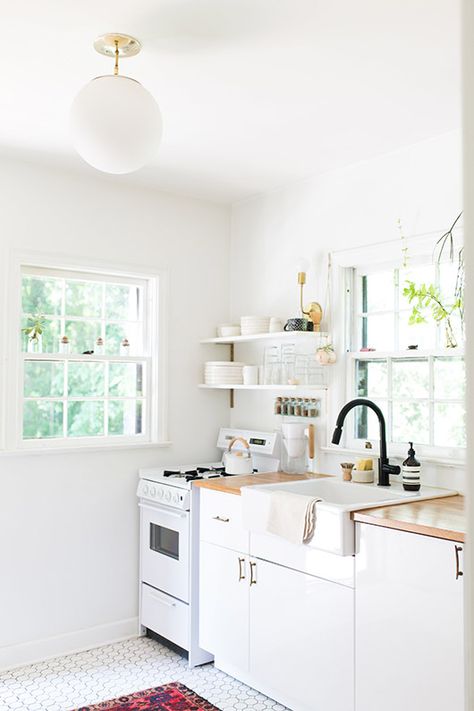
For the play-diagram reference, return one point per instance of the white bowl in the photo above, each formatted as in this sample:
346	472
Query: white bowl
254	320
223	380
227	330
365	476
232	363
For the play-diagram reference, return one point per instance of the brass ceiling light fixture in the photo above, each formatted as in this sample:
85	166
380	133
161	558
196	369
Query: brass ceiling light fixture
116	123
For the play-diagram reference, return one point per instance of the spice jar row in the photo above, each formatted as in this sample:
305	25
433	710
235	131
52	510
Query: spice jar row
296	406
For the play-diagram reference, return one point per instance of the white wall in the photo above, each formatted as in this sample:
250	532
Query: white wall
357	206
468	146
68	521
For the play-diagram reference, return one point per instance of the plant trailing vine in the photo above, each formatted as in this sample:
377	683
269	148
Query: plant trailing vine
429	297
446	241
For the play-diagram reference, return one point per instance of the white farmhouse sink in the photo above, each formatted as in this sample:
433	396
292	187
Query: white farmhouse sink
334	528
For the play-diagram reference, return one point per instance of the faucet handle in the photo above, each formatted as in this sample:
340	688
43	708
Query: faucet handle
391	468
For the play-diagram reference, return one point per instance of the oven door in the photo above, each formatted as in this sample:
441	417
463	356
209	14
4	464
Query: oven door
164	547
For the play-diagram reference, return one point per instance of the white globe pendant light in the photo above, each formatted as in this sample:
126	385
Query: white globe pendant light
115	122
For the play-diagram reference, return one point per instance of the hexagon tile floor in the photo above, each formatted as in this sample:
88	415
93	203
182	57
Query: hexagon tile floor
84	678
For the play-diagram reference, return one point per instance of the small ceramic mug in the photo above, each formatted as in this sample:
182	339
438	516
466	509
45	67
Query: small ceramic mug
250	374
276	325
298	324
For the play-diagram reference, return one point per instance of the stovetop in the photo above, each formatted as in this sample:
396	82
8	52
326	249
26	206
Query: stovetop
182	476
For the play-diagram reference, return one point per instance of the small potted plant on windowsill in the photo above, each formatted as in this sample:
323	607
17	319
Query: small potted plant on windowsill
35	325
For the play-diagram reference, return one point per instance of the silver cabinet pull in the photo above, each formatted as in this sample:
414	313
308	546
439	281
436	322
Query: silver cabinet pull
253	578
222	520
241	569
457	550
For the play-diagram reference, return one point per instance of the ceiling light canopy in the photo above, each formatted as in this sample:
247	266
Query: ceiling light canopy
116	123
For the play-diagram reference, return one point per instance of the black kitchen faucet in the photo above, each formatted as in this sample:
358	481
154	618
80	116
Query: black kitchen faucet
385	469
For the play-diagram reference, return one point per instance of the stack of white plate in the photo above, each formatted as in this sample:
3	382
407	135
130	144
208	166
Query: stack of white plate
222	372
251	325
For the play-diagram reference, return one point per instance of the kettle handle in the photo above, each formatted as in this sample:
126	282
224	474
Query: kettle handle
238	439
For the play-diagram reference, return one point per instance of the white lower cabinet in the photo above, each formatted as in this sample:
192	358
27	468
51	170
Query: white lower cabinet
289	622
266	620
301	639
409	622
224	605
286	633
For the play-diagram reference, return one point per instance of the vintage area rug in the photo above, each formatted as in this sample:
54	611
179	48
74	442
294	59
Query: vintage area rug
170	697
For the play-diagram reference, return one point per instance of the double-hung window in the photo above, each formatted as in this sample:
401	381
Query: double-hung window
86	362
406	369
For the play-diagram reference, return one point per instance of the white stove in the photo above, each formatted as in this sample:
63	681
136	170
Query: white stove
169	540
165	485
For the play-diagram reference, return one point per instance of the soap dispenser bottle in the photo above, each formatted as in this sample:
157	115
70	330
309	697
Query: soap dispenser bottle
411	471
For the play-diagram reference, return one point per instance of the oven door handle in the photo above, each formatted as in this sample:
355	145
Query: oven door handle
165	510
158	598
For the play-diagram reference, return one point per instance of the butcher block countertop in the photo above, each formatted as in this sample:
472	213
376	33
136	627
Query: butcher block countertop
440	518
233	484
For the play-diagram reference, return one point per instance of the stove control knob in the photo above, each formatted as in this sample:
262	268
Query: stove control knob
146	488
159	493
153	492
168	496
176	498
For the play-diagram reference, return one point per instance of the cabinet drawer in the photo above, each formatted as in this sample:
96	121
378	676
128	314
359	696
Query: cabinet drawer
165	615
336	568
221	520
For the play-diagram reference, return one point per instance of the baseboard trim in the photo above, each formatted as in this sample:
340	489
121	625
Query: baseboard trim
19	655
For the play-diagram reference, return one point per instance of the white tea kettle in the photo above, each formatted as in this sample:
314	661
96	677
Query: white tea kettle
240	461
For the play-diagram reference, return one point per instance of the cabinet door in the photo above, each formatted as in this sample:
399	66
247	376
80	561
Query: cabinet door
224	605
302	639
409	623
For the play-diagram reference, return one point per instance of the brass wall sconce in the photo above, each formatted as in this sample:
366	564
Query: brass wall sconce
313	311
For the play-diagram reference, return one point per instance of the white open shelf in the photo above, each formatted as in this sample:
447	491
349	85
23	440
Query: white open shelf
264	387
279	336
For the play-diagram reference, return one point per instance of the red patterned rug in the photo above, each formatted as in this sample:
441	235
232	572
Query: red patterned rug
170	697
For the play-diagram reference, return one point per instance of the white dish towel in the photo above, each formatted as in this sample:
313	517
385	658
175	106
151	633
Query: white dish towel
292	516
282	513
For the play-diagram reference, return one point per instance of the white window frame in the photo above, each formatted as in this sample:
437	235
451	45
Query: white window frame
345	264
398	449
155	327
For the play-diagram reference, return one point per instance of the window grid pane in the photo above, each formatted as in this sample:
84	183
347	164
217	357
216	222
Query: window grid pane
387	310
62	392
65	398
84	318
413	409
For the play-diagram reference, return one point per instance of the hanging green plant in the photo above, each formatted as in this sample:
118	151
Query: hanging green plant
428	298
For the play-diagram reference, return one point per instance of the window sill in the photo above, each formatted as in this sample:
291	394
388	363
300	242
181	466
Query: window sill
441	461
408	354
27	452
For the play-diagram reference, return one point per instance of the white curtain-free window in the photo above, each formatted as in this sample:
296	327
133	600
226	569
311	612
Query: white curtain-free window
406	369
89	393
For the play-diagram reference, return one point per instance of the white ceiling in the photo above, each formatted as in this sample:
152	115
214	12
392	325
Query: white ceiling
254	93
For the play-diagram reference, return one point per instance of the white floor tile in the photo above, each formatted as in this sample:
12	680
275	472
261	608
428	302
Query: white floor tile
106	672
